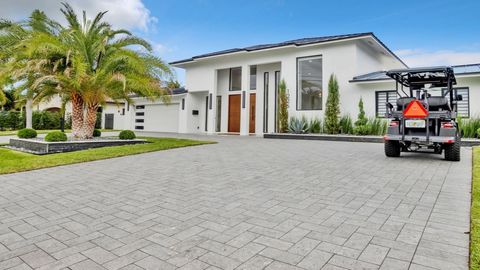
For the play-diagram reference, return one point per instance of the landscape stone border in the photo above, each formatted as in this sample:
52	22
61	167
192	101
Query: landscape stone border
42	147
467	142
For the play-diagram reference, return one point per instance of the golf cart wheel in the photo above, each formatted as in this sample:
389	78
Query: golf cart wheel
392	148
452	151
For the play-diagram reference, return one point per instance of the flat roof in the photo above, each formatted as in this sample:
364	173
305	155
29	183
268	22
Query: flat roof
295	42
381	75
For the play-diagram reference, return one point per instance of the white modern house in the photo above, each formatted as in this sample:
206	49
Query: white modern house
235	91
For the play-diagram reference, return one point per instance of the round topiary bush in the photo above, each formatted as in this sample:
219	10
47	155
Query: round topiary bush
27	133
56	136
97	133
127	135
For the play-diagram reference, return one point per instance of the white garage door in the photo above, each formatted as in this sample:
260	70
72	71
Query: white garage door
161	118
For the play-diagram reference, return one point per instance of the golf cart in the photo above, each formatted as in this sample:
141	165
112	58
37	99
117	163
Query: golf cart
424	116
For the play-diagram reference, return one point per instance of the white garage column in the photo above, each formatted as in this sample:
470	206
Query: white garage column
245	101
183	115
212	105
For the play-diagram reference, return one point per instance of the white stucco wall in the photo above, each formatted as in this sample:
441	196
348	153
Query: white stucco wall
345	59
118	117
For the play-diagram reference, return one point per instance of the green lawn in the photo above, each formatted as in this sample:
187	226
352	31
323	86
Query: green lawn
475	213
15	161
14	132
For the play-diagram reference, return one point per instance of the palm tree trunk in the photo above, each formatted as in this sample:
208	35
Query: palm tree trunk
28	116
77	114
89	121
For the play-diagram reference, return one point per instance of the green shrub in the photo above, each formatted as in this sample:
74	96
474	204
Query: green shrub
97	133
346	125
377	126
282	107
315	126
27	133
478	133
298	125
56	136
127	135
46	120
11	120
333	107
362	130
98	121
362	119
469	127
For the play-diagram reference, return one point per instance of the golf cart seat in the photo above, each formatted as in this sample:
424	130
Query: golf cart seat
438	103
403	102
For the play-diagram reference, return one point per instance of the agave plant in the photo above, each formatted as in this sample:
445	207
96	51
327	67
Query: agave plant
298	125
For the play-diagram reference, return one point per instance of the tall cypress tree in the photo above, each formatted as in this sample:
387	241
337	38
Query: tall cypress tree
332	125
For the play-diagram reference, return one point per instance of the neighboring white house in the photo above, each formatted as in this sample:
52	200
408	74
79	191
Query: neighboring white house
113	114
235	91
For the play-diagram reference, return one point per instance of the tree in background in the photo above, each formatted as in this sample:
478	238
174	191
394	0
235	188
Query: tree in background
173	84
332	112
12	60
282	119
87	61
3	99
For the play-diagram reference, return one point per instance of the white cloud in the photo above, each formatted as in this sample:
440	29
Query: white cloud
129	14
419	57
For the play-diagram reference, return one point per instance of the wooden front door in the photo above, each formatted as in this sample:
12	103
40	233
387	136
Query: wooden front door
234	113
253	98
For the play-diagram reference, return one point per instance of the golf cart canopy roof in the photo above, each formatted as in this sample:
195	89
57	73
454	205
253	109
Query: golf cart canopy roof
418	77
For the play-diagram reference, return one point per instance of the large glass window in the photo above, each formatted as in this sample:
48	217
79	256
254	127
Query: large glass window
253	78
309	83
236	79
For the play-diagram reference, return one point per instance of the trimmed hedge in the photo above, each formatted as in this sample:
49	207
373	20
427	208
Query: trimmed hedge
27	133
12	120
97	133
127	135
56	136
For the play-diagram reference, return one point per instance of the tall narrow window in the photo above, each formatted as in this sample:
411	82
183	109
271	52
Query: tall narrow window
235	79
265	102
206	113
253	78
309	83
277	83
219	114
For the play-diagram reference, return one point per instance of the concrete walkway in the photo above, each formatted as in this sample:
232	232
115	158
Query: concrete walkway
244	203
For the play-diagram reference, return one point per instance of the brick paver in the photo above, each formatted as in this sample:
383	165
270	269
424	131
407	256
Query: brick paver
244	203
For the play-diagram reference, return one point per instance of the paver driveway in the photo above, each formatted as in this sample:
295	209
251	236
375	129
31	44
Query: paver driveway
245	203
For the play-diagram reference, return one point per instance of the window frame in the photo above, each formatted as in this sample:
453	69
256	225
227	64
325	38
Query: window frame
468	91
298	59
230	79
255	78
376	100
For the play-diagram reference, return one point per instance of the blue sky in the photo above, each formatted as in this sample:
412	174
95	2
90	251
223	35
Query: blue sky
420	32
429	32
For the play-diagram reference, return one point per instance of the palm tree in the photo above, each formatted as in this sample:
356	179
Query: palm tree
92	63
13	63
3	98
